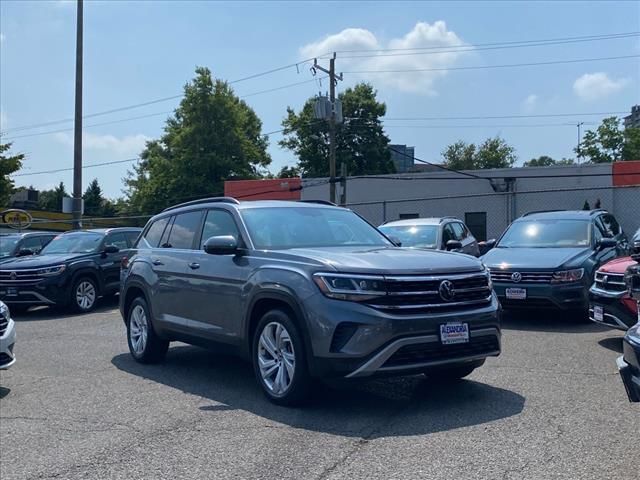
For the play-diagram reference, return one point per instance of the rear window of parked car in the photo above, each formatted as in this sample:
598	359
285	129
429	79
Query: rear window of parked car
154	232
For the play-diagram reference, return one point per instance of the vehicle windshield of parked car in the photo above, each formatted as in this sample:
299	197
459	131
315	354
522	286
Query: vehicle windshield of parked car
281	228
73	243
547	234
7	245
419	236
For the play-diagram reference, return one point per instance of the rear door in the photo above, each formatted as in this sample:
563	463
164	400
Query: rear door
110	262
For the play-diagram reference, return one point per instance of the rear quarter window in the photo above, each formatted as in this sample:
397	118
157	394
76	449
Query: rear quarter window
154	233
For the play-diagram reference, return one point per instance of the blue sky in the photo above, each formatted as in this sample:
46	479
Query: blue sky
141	51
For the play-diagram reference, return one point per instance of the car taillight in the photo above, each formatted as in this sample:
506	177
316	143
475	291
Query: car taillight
124	263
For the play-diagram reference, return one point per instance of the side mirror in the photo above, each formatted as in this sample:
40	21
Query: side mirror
632	281
24	252
607	243
453	245
486	246
395	240
221	245
111	249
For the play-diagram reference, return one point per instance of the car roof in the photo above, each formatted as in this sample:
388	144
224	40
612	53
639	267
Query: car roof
419	221
26	234
562	215
104	231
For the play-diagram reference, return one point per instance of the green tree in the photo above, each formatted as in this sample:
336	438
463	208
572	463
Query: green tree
288	172
93	199
610	143
546	161
631	147
51	200
9	164
213	136
460	156
493	153
360	141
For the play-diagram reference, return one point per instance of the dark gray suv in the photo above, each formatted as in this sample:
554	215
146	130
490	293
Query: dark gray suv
305	291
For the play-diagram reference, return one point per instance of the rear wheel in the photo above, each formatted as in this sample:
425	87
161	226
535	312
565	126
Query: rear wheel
279	359
452	373
145	345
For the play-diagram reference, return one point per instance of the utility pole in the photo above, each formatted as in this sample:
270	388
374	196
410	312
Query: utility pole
333	80
77	140
579	124
343	184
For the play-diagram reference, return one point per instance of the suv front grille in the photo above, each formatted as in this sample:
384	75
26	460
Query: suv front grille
611	282
413	294
504	276
20	276
432	352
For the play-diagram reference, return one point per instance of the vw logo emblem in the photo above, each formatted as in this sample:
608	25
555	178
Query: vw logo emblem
13	275
446	291
516	277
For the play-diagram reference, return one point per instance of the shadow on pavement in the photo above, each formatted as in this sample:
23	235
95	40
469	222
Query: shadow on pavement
612	343
4	391
371	409
105	304
549	321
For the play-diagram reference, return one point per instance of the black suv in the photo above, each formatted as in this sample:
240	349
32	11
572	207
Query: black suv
22	244
304	290
74	269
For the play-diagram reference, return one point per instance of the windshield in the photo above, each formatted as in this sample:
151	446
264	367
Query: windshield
422	236
7	244
74	243
547	234
285	227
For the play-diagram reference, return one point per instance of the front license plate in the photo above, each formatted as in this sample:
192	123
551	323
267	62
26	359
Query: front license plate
598	313
12	292
454	333
516	293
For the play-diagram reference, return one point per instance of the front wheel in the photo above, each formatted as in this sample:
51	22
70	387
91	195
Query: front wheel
278	359
145	345
84	294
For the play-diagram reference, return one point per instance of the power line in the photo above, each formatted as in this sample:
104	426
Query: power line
71	168
486	67
442	167
500	117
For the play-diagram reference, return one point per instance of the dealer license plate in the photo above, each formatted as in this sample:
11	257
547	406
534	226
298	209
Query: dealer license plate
516	293
598	313
454	333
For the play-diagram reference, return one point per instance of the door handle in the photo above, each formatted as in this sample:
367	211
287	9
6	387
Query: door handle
156	262
194	266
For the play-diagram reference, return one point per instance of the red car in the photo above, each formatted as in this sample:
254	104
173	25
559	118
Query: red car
609	300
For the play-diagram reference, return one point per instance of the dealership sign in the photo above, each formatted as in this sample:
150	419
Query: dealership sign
18	219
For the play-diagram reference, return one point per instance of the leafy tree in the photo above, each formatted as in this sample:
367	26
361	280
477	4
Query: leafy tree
212	136
288	172
8	164
493	153
93	199
51	200
546	161
360	141
610	143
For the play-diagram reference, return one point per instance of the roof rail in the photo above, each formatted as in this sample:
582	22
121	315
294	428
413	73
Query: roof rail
542	211
204	200
448	217
321	202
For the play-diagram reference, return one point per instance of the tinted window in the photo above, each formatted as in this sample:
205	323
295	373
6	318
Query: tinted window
422	236
547	233
447	234
297	227
44	241
154	233
610	224
32	243
132	237
117	239
183	231
217	223
458	231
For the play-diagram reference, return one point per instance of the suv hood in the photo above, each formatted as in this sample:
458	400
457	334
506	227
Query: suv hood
41	261
535	258
388	260
619	265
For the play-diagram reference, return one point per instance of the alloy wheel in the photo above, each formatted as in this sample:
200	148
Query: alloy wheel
276	358
85	295
138	329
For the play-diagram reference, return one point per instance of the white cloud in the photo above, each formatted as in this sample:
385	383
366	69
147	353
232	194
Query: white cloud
422	35
593	86
127	146
530	102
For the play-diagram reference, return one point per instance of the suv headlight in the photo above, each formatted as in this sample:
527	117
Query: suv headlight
49	271
4	310
566	276
356	288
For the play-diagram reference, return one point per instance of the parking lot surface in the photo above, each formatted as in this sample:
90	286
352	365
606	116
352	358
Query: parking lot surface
77	406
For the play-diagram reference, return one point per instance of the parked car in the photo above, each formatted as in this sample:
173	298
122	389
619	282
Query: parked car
548	259
282	285
22	244
446	233
629	362
73	270
7	338
609	301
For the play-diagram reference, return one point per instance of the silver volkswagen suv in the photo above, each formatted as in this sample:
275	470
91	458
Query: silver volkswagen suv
304	290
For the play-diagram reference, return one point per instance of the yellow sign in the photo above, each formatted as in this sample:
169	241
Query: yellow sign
18	219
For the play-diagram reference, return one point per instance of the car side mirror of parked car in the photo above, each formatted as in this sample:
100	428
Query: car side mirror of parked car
486	246
221	245
607	243
395	240
632	281
24	252
111	249
453	245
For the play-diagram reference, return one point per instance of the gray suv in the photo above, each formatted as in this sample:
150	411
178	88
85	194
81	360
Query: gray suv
304	291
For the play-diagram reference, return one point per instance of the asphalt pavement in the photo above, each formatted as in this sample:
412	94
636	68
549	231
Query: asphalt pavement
76	405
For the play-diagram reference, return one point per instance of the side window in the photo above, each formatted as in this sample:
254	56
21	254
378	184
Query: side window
44	241
155	231
447	234
184	230
32	243
132	237
597	232
458	231
217	223
117	239
602	227
611	225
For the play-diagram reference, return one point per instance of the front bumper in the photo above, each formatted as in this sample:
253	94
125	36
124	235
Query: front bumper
572	296
7	342
48	291
616	313
353	340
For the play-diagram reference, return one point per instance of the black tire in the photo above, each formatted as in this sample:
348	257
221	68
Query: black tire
452	373
299	384
154	348
83	283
